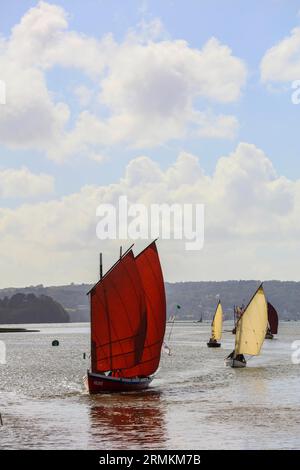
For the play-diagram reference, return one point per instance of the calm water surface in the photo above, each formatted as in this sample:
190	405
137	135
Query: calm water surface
194	402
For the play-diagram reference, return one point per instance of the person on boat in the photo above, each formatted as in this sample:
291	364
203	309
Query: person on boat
239	312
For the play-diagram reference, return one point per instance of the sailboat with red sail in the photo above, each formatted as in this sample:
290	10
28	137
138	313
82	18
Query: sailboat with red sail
272	322
128	319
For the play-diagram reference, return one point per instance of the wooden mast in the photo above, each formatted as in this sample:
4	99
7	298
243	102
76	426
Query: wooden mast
101	267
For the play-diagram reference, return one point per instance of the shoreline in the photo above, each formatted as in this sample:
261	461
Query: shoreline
17	330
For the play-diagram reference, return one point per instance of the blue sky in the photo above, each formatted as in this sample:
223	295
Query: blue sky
260	111
267	119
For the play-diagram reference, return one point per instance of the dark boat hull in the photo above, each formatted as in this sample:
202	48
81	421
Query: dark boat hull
213	345
236	364
100	383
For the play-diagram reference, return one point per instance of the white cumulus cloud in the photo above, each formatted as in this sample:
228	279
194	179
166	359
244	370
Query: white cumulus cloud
281	63
252	223
22	183
147	87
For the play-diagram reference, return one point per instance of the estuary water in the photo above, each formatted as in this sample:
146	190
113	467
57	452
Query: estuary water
195	402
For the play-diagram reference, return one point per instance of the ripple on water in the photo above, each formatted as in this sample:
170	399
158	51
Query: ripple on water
195	402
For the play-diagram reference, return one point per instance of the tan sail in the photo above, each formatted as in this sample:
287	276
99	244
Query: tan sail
216	326
252	326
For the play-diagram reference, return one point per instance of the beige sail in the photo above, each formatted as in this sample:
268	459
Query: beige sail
252	326
216	326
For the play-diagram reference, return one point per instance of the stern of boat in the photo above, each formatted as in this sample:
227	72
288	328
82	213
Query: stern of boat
101	383
234	363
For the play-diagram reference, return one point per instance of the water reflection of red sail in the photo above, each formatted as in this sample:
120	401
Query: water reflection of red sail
139	422
128	316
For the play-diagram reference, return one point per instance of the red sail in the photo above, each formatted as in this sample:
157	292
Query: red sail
152	279
273	319
118	318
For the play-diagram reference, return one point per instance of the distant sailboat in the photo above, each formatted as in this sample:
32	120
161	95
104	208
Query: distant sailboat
250	330
216	327
128	318
272	322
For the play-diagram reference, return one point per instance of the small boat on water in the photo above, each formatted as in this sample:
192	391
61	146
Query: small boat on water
216	327
128	319
250	330
272	322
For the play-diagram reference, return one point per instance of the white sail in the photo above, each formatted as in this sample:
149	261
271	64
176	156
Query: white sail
216	326
252	326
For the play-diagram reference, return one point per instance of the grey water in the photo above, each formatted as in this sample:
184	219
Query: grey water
195	402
